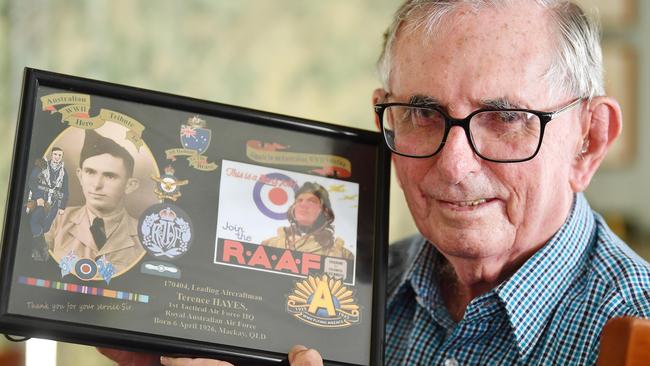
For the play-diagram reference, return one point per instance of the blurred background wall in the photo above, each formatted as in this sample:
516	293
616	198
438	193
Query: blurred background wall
312	59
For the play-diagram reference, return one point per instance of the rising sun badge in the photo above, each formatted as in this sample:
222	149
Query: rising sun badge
323	302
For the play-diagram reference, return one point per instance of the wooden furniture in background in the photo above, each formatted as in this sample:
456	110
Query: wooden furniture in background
625	341
12	357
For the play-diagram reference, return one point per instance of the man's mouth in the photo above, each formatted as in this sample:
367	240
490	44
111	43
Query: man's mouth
470	203
467	204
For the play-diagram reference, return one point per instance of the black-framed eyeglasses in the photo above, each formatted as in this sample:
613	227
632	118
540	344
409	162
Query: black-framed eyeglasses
498	135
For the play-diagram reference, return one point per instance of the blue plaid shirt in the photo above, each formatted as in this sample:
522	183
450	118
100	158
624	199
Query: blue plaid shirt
550	312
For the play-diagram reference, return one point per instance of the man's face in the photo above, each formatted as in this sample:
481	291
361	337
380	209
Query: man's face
104	182
307	208
57	156
468	207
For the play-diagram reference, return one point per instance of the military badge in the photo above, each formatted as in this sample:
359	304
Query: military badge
165	231
195	136
160	269
323	302
105	269
66	264
85	268
168	185
195	140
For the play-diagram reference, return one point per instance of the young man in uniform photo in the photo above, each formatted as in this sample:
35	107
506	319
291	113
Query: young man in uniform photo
101	228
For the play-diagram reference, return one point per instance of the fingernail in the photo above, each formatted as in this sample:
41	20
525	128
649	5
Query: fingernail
164	360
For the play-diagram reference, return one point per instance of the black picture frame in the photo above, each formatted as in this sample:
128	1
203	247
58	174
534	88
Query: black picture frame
195	224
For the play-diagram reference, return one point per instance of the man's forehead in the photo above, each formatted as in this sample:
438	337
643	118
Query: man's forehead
479	59
307	195
471	26
105	163
436	18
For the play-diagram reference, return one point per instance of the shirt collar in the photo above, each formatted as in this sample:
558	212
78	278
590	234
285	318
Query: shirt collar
422	275
421	280
110	222
530	296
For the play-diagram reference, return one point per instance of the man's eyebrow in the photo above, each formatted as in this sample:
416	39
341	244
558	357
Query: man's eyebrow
492	103
424	100
499	103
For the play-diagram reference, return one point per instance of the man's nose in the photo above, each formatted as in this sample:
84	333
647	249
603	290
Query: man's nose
98	182
457	159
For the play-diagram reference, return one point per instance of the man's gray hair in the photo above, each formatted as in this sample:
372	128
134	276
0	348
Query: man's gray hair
576	66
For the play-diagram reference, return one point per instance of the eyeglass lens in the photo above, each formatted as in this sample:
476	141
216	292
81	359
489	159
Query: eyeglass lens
496	135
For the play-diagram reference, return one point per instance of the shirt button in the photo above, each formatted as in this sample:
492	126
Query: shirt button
451	362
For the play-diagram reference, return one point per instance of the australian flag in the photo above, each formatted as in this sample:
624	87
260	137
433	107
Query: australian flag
195	138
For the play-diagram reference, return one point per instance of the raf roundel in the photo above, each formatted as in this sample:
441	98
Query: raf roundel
86	269
272	194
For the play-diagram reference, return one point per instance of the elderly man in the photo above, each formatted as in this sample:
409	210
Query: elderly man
496	114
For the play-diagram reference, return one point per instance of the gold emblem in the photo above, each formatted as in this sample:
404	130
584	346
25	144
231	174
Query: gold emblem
323	302
168	185
196	122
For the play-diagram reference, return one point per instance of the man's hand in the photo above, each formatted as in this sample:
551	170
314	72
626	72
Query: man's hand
298	356
169	361
125	358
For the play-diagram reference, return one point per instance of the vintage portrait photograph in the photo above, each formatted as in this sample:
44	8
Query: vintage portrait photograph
84	197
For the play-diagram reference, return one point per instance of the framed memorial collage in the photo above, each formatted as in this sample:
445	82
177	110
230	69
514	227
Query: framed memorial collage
158	223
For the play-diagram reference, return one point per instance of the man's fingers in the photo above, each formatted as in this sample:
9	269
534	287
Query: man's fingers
170	361
126	358
300	355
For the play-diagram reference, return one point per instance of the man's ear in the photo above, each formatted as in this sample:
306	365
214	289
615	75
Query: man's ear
378	96
601	124
397	176
131	185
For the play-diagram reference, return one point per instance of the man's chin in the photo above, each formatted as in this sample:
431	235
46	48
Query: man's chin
472	242
474	253
102	209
